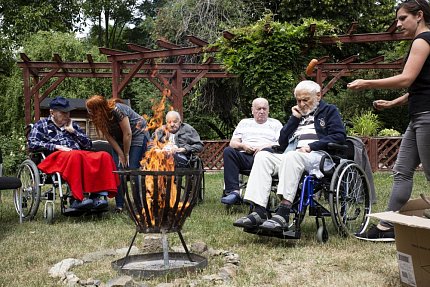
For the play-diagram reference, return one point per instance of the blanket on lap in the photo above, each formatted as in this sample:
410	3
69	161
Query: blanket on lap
84	171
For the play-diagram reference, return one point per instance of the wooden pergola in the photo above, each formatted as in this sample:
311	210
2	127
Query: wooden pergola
332	72
166	68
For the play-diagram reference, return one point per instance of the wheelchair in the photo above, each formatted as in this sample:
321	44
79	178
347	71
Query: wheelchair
343	194
38	186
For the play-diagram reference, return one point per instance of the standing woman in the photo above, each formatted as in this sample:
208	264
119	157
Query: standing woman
413	19
124	129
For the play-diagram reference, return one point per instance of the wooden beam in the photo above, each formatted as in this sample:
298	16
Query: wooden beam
312	29
26	62
352	28
363	38
163	53
227	35
393	27
137	48
196	41
111	52
91	63
166	44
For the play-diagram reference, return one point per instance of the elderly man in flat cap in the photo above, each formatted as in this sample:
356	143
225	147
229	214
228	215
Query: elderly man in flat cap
67	146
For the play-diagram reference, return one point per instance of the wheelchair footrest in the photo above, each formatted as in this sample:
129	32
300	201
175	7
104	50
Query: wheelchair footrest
287	234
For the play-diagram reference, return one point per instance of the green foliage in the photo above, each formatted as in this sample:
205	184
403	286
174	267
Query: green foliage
370	15
365	124
13	150
389	133
269	58
70	49
21	18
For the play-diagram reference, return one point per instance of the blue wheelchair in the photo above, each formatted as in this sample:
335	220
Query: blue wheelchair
343	194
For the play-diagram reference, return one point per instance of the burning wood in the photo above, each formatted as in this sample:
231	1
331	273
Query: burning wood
159	158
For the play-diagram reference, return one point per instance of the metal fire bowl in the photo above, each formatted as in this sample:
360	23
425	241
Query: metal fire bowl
152	264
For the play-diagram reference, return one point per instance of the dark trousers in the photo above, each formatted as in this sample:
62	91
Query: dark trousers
234	162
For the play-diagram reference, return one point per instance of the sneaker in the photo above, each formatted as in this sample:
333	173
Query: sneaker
375	234
231	198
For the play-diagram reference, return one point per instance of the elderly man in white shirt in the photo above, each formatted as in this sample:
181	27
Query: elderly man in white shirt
250	137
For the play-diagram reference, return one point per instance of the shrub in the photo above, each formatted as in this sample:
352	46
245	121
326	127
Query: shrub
389	133
13	150
365	124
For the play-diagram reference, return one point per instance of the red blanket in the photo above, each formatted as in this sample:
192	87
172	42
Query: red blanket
84	171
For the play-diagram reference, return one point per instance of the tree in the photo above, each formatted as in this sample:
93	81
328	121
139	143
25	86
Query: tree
20	18
109	18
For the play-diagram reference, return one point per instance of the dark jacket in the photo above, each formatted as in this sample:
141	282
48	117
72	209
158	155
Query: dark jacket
186	137
328	126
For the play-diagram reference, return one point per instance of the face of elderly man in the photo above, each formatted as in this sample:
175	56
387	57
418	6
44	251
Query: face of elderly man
60	118
173	123
307	101
260	110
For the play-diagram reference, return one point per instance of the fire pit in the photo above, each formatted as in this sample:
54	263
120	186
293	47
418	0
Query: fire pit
159	202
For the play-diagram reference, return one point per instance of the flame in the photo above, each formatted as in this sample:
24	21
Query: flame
159	158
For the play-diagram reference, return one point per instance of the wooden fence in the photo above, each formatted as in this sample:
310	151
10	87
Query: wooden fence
382	152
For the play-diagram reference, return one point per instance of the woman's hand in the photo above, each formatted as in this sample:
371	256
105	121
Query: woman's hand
382	104
358	84
123	160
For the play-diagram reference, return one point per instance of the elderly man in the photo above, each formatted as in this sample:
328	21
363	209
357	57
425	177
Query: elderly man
250	137
182	139
66	143
312	125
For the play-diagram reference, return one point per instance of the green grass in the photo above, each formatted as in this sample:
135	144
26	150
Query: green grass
28	250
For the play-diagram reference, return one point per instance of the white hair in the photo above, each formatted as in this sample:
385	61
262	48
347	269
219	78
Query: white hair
173	113
308	85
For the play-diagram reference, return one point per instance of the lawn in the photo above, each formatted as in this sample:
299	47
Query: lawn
30	249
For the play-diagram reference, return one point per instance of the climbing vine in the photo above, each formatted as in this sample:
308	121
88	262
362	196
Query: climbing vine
270	57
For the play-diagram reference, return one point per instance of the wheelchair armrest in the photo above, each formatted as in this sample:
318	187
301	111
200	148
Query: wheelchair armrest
327	165
337	147
277	149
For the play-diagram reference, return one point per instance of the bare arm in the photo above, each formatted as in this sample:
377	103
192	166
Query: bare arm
420	50
126	139
384	104
236	143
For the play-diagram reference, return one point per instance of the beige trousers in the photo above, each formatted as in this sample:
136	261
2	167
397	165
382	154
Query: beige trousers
289	167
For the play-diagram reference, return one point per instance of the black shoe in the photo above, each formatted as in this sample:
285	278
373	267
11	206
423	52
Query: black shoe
377	235
100	203
81	205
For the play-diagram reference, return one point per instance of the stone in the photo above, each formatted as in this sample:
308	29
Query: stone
123	251
122	281
231	257
199	247
229	271
61	268
95	256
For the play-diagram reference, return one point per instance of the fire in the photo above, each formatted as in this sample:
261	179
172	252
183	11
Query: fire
159	158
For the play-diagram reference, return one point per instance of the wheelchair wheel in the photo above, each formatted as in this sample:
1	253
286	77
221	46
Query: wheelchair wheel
322	234
349	198
49	212
27	197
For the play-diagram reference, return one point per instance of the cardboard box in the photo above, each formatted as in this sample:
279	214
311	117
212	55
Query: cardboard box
412	232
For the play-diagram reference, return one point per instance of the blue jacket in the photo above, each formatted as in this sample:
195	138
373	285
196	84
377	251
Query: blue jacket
328	126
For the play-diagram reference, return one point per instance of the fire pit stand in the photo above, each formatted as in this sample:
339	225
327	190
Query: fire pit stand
159	202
